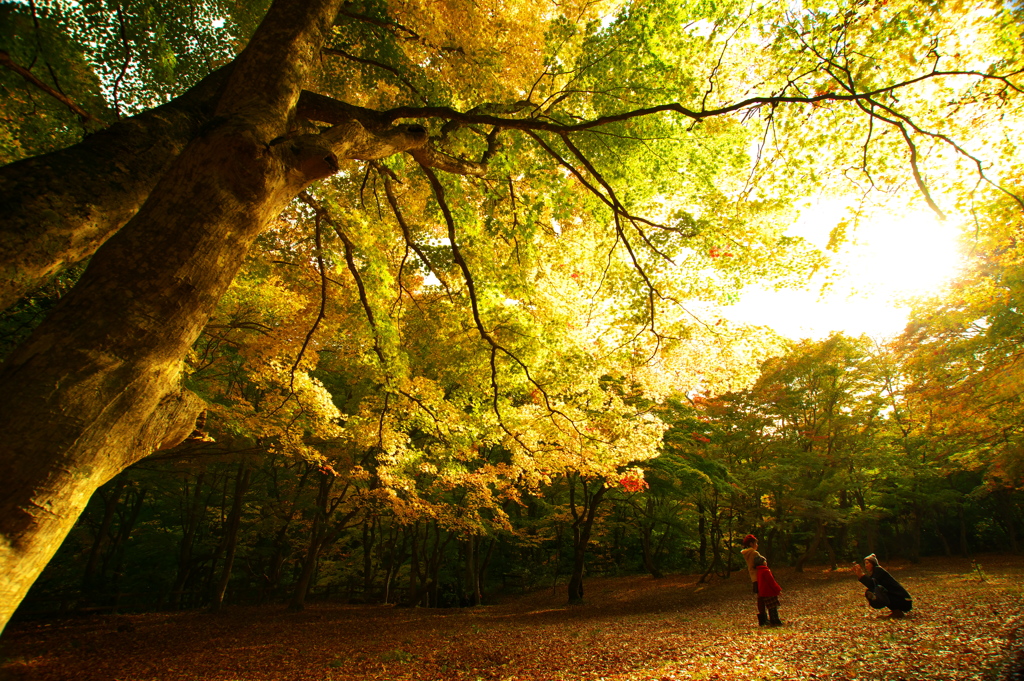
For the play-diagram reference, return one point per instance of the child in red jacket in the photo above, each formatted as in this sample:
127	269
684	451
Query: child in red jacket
768	591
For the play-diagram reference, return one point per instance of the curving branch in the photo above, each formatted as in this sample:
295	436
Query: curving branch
617	214
391	26
901	122
322	213
494	346
322	271
7	62
389	192
370	62
429	157
617	205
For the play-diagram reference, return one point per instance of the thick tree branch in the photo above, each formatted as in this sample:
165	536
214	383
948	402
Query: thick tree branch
272	70
59	208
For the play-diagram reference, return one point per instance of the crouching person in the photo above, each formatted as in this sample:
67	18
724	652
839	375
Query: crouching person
881	589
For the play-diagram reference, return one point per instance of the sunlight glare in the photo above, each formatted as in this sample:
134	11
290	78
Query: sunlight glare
887	259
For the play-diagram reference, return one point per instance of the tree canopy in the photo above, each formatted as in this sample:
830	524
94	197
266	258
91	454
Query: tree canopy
442	256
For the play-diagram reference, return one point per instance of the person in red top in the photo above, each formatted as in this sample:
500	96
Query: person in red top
768	591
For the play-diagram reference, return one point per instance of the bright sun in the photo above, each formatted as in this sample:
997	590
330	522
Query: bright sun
889	258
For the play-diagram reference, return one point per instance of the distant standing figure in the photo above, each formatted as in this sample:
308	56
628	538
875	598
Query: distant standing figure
768	591
882	589
749	553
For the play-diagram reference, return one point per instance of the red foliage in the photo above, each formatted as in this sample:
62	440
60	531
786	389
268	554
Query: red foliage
631	484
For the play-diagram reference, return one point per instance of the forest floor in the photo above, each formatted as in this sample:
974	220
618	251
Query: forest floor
967	623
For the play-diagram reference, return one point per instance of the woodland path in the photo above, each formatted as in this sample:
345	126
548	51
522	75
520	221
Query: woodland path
966	624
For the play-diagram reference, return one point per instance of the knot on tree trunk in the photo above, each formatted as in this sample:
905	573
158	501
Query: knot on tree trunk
176	418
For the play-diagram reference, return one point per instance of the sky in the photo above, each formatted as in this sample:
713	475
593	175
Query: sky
889	257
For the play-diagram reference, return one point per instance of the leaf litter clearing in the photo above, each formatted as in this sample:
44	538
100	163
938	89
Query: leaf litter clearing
967	623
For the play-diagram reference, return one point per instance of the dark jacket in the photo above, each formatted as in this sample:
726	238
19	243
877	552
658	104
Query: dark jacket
899	598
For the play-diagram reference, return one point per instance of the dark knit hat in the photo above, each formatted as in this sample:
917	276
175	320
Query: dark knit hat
749	539
759	560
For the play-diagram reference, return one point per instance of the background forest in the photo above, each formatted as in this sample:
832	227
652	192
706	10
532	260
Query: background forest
431	391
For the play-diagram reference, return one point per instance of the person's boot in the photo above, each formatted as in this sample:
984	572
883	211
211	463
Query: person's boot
762	619
773	617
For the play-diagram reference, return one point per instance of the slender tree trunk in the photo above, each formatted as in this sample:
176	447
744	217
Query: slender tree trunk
302	584
282	547
472	574
317	538
946	551
190	525
218	551
964	546
392	561
368	537
646	530
110	501
915	536
557	560
832	558
481	572
231	535
583	523
812	549
702	551
127	524
1009	523
414	566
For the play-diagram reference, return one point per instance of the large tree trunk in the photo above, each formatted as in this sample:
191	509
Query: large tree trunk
96	387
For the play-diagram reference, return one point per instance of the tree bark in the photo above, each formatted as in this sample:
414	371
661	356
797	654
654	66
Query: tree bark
302	584
472	573
965	550
317	540
97	385
646	530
